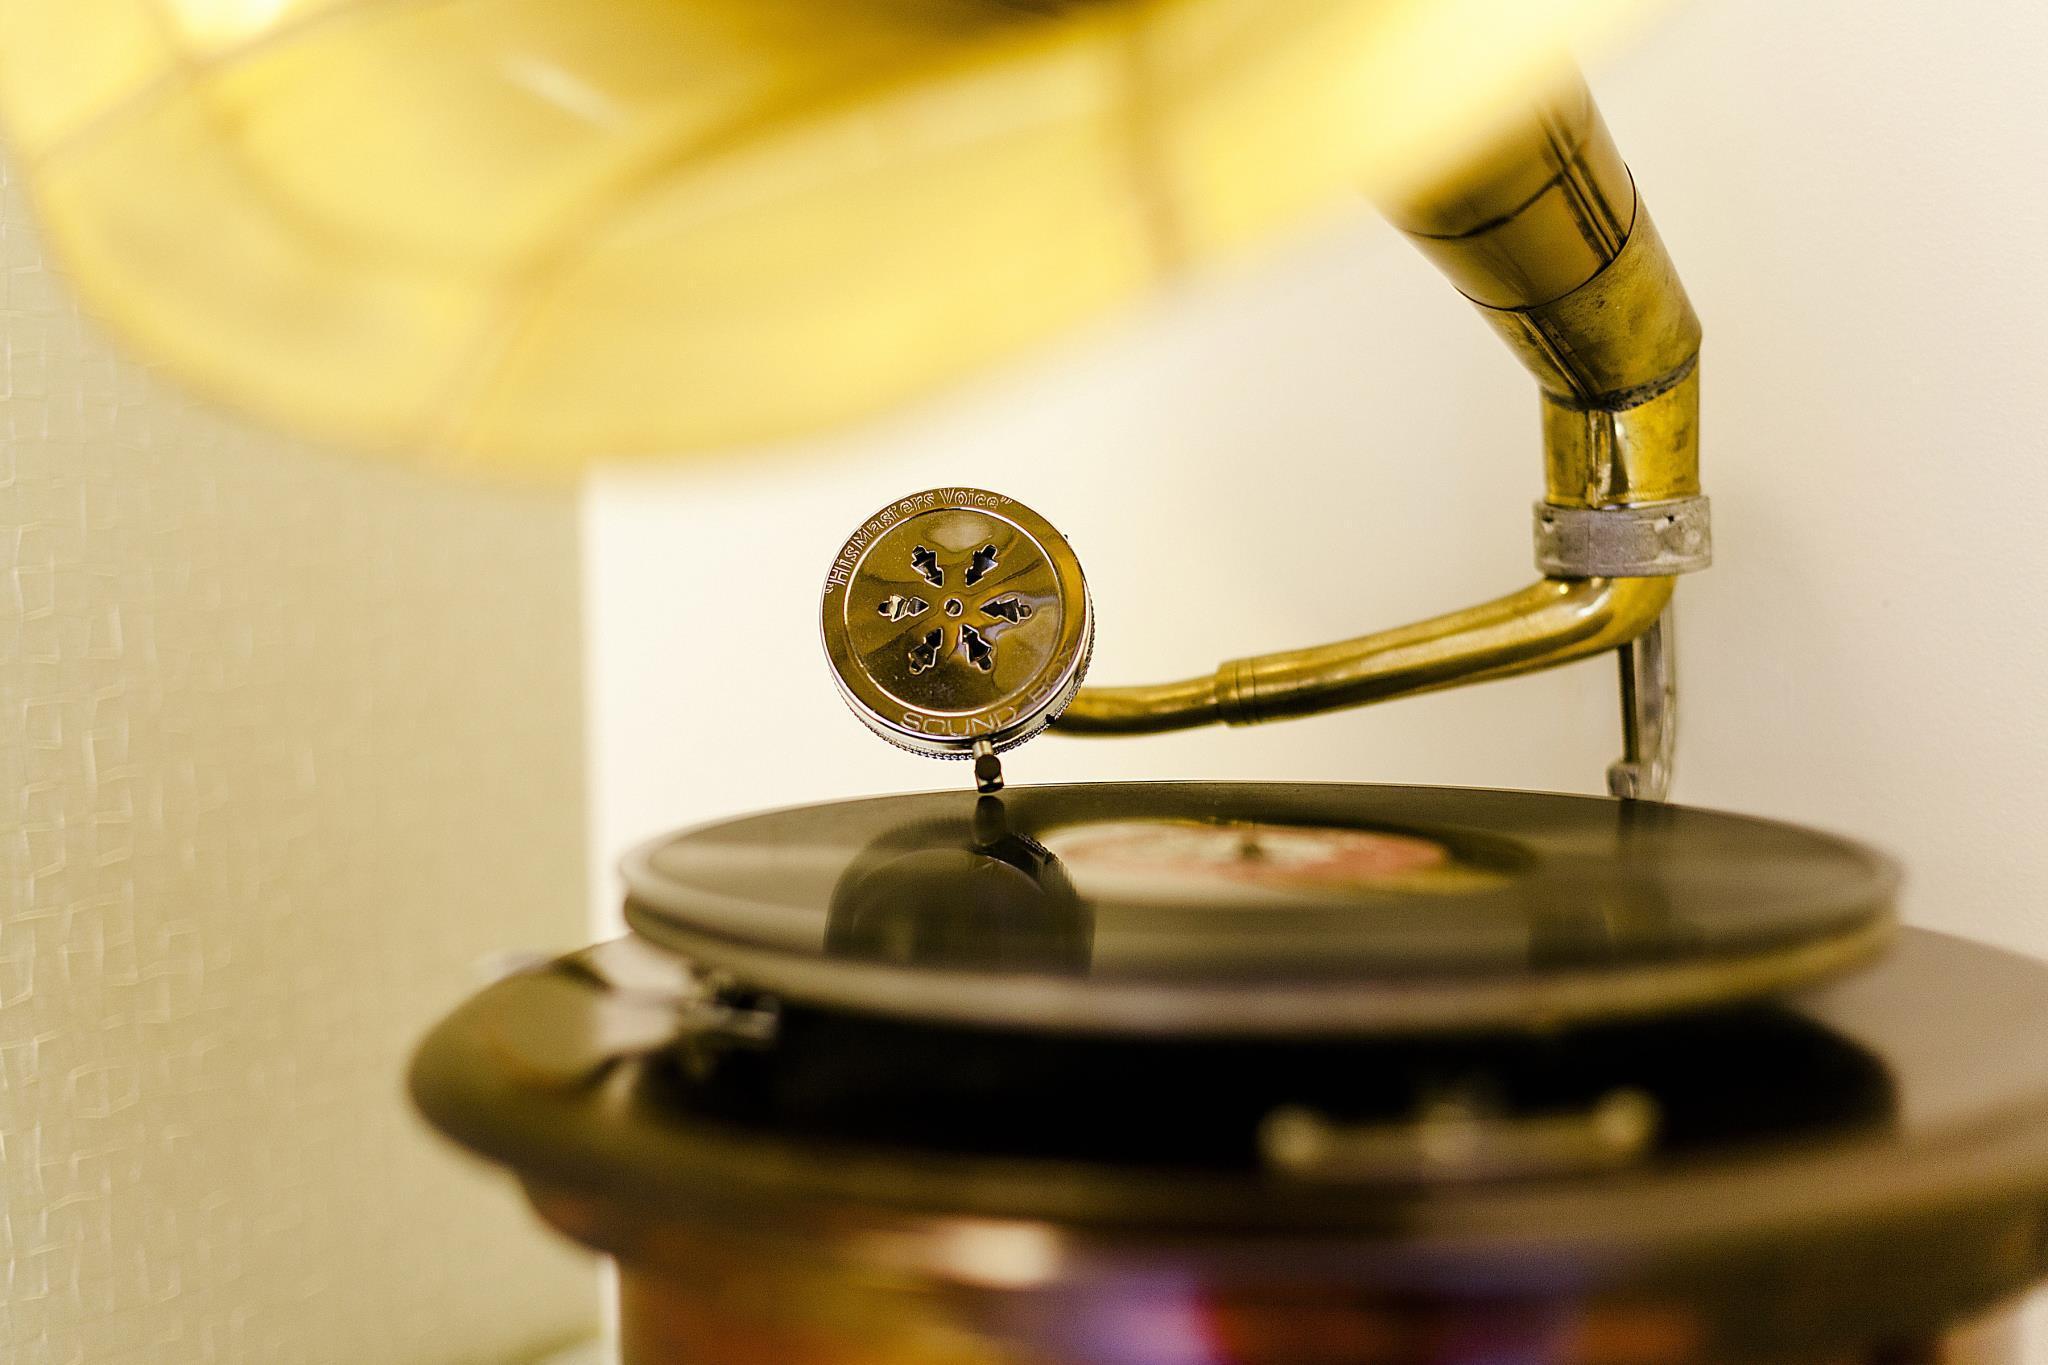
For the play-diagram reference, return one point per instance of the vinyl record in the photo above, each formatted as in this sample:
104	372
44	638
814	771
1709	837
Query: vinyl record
1261	909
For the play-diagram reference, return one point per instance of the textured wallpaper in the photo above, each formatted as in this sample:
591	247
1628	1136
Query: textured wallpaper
288	744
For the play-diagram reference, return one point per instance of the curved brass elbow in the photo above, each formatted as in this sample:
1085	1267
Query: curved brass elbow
1543	232
1551	622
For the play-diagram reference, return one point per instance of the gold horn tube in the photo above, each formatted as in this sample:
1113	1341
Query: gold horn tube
1542	230
1550	622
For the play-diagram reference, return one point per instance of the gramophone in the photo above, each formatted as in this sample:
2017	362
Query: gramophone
1166	1072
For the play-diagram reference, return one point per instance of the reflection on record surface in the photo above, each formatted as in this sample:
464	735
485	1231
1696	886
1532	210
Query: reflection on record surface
960	892
1195	879
1140	906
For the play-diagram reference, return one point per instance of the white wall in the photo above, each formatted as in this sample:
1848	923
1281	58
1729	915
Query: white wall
1329	443
288	743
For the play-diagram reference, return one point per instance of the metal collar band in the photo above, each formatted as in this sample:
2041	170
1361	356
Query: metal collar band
1644	540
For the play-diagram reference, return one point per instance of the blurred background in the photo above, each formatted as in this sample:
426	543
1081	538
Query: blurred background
296	745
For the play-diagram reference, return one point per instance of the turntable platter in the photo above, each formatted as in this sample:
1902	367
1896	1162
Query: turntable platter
1249	909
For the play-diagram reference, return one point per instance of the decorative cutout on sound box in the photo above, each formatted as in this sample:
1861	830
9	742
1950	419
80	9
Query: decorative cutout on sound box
984	560
924	655
1007	609
897	607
